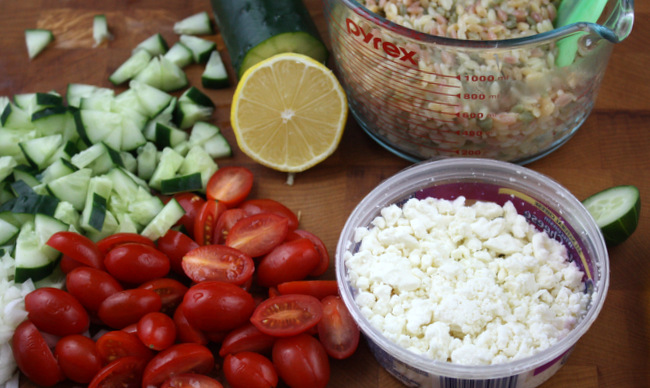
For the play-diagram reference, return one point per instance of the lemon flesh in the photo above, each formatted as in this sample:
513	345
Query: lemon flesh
289	112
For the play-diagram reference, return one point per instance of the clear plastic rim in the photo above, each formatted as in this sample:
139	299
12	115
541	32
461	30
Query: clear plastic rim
552	35
413	178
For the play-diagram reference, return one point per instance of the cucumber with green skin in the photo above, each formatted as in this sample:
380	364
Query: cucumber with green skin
254	30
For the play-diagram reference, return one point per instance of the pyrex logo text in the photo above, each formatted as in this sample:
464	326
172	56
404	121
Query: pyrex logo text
389	48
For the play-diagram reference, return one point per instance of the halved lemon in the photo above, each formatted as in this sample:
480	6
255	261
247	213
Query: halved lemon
289	112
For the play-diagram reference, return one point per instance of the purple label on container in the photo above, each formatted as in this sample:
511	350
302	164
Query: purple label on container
537	213
561	358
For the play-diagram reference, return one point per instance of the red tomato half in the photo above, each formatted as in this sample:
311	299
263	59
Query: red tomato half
55	311
118	343
77	247
316	288
301	361
217	306
258	234
289	261
191	380
266	205
287	315
136	263
126	307
171	292
206	221
218	262
337	330
320	247
78	357
230	185
90	286
225	222
177	359
175	245
113	240
125	372
247	338
249	370
186	332
157	331
33	356
192	204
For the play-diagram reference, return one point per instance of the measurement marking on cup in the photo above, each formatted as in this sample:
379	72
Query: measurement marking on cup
398	84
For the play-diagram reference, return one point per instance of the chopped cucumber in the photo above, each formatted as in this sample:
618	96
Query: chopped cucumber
168	216
201	48
616	211
198	160
14	117
154	45
195	96
36	40
163	74
131	67
215	75
7	164
168	136
55	170
197	24
100	30
152	99
38	151
75	92
7	232
191	182
72	188
169	163
95	209
147	159
180	55
34	259
187	113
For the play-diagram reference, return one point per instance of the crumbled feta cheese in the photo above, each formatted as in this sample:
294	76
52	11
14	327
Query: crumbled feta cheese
469	284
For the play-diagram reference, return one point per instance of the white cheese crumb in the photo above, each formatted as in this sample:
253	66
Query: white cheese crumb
465	284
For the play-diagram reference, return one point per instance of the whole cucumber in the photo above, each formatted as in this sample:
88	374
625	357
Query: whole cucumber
254	30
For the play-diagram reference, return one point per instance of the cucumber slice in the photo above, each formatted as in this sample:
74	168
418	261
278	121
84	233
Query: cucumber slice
616	211
168	217
94	214
14	117
195	96
72	188
55	170
34	102
65	212
201	48
131	67
197	24
254	30
215	75
168	136
199	161
152	99
169	163
38	151
34	259
154	45
218	147
76	91
55	120
188	113
100	30
36	40
7	232
7	164
163	74
180	55
179	184
147	159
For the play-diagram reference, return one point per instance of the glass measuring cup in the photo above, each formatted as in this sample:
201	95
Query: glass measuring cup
424	96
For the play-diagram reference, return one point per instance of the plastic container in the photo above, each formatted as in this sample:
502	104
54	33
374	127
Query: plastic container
423	96
535	196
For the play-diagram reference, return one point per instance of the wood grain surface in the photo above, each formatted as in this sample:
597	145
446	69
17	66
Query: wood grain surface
611	148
